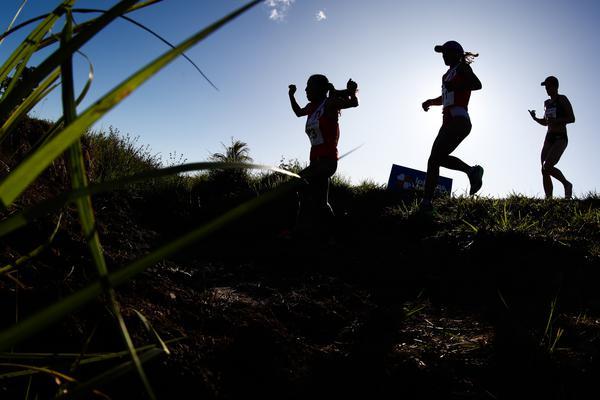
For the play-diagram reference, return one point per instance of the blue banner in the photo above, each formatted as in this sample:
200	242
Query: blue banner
403	178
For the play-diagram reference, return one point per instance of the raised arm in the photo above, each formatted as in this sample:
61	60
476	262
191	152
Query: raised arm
299	111
341	99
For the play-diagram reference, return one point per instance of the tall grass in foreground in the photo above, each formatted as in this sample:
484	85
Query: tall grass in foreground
19	96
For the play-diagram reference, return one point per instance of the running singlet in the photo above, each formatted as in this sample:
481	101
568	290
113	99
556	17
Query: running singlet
323	132
455	102
553	109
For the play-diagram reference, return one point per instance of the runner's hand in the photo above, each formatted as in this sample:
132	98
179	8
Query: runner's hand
426	104
351	86
532	113
292	90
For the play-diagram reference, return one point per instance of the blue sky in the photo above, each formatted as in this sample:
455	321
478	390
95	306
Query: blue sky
384	45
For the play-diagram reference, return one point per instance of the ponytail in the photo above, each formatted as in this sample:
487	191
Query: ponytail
469	57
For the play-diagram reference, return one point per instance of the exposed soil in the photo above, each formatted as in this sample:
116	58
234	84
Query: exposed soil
385	311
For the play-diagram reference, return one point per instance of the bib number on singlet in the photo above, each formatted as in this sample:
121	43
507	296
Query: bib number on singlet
550	113
313	130
447	97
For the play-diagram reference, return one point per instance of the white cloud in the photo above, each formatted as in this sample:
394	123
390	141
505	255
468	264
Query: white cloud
275	15
278	8
320	15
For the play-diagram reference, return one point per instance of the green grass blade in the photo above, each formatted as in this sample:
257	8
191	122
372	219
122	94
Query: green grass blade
151	329
89	81
35	97
84	388
53	39
23	88
23	25
90	358
350	151
142	5
470	225
14	18
85	209
53	313
44	370
59	123
28	388
153	33
34	253
171	46
52	372
20	178
18	59
19	220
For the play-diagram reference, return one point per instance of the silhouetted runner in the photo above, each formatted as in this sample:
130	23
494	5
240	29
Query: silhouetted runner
558	113
457	84
323	132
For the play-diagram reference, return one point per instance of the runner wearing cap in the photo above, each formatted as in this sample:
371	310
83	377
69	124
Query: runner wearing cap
558	113
323	132
457	84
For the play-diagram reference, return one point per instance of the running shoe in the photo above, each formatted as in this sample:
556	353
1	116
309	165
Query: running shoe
569	190
475	179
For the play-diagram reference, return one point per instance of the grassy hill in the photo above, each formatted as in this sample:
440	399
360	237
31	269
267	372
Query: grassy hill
490	298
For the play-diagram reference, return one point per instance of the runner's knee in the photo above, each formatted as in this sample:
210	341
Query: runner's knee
546	168
434	159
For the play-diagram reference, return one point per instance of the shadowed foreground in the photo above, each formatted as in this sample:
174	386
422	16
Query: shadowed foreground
489	299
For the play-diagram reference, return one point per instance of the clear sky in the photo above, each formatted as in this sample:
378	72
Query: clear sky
384	45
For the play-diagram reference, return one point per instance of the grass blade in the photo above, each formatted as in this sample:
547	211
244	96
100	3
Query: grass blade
53	313
470	225
35	97
85	209
15	18
54	373
87	359
108	376
59	123
25	50
19	220
78	28
22	89
165	41
151	329
34	253
44	370
28	171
